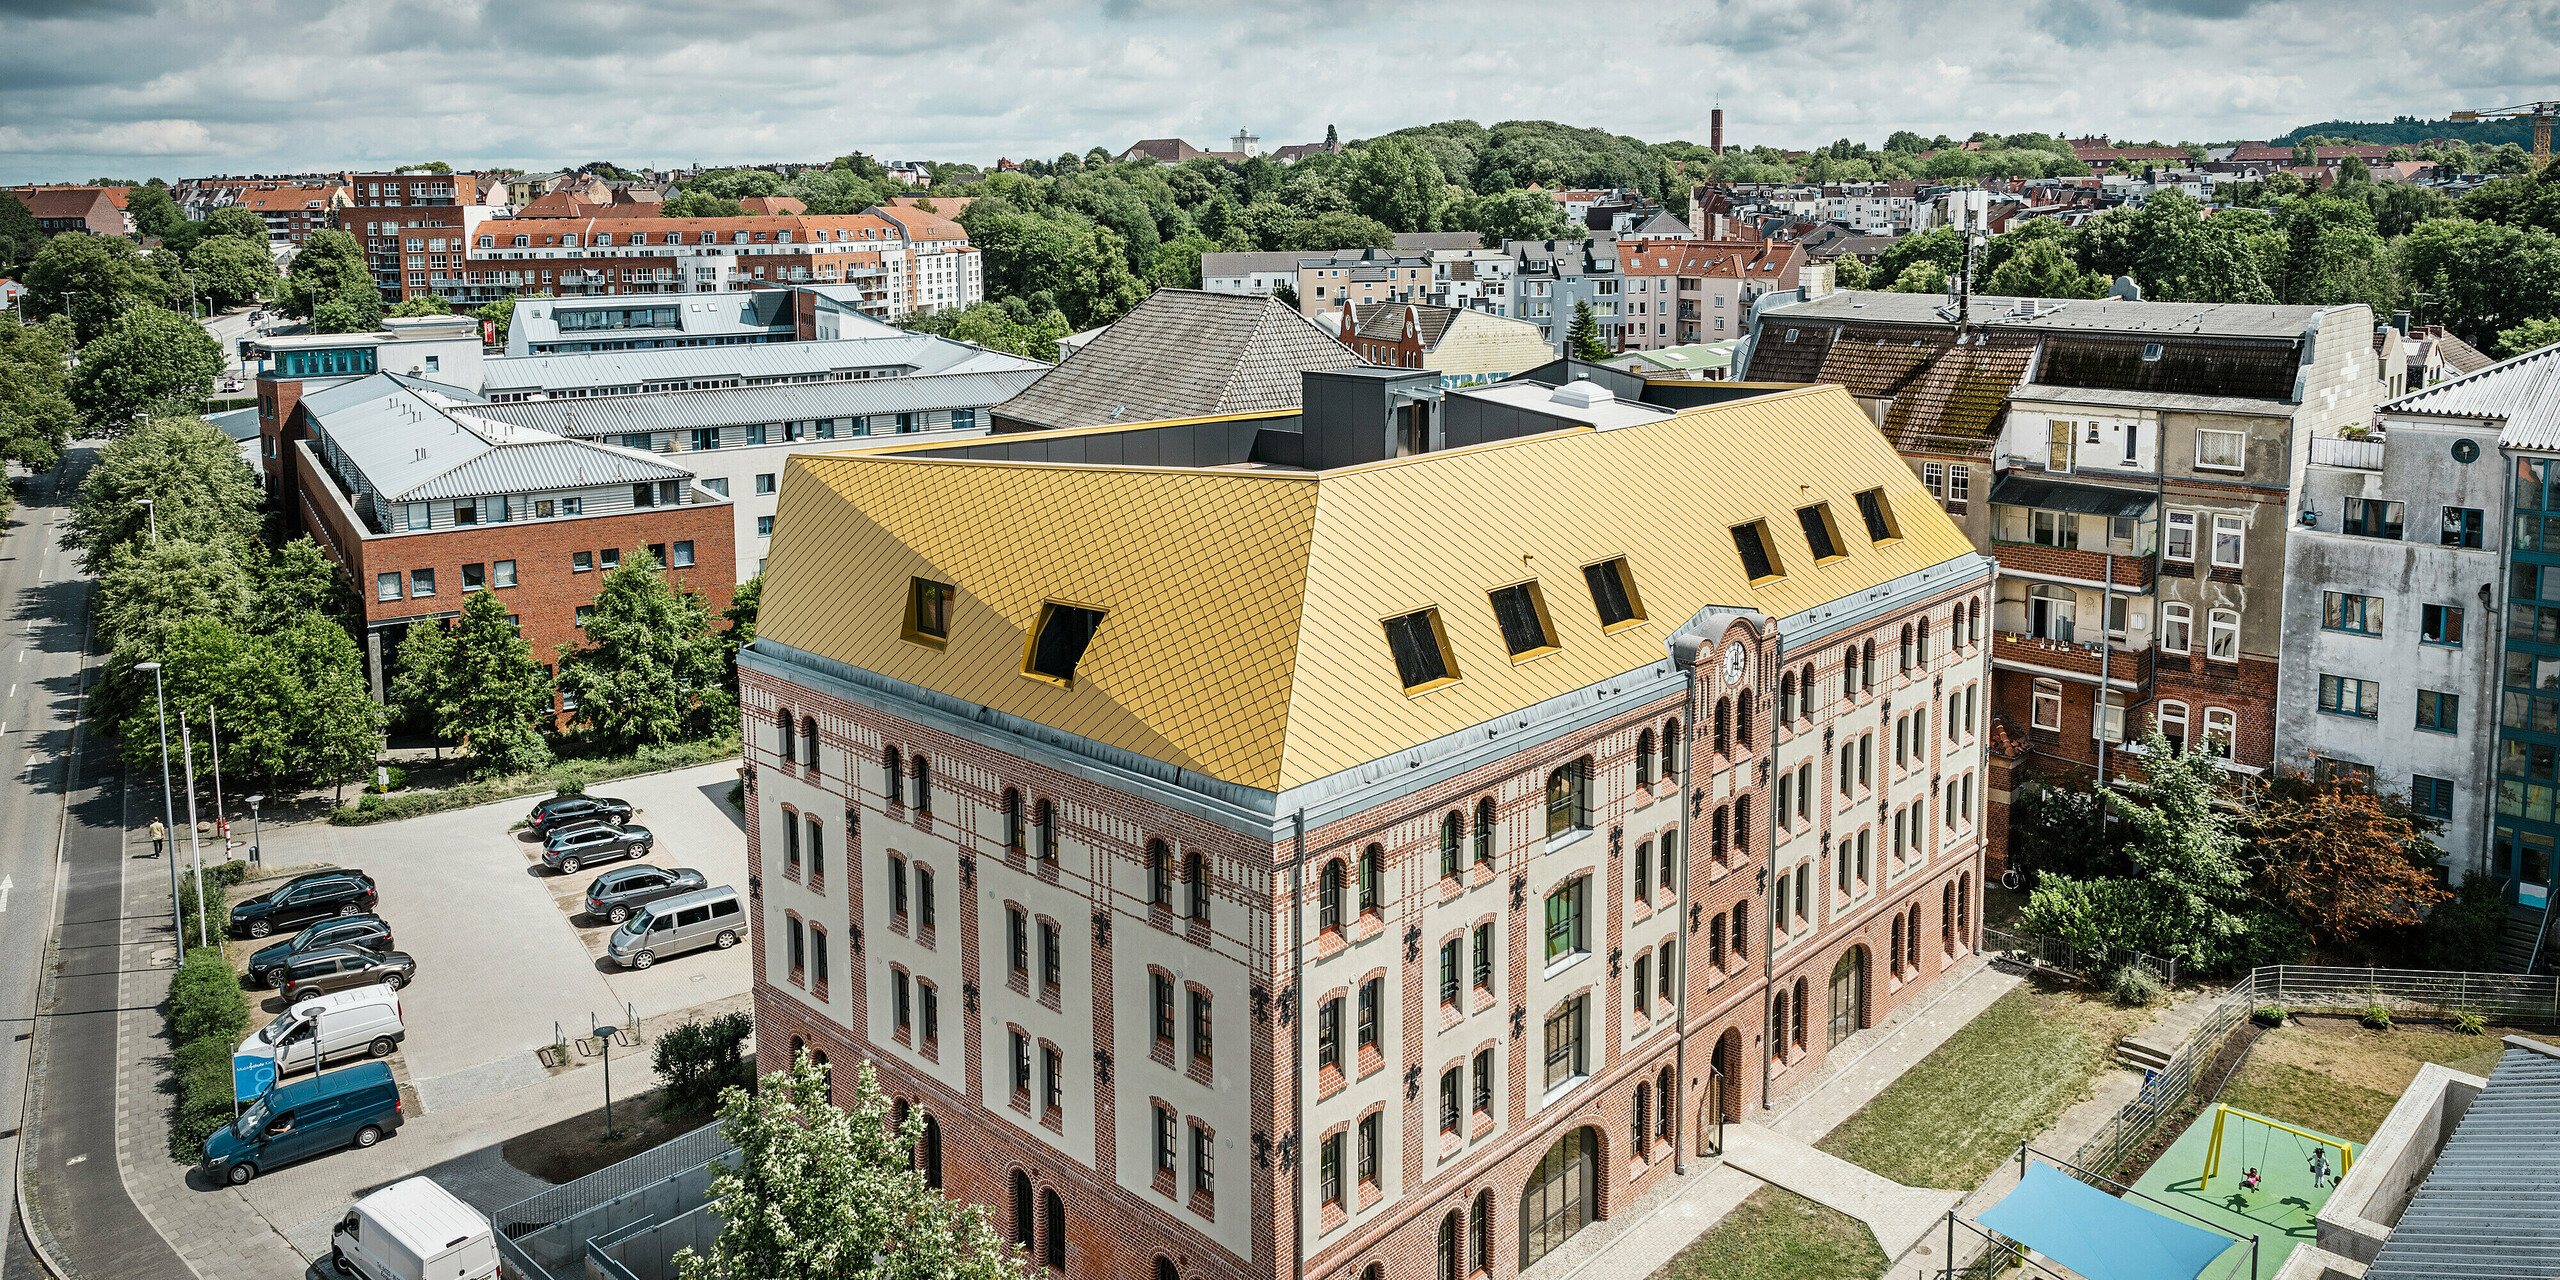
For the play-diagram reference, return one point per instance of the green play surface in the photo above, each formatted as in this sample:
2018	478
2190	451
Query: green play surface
2279	1212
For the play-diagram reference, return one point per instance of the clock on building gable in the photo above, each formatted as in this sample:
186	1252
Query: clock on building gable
1734	660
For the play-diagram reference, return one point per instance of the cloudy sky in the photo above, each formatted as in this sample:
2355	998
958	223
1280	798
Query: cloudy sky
138	88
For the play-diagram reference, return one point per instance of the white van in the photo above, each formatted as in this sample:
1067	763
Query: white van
366	1018
414	1230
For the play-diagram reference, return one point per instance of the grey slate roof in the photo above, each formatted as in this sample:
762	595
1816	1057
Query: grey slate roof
2484	1211
778	402
1182	353
2216	319
2523	392
909	352
1426	241
416	445
1215	265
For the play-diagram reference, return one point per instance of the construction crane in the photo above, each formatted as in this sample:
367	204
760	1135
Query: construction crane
2540	113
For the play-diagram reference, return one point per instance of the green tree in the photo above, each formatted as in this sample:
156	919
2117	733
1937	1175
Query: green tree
331	268
36	414
425	304
735	184
1851	272
1287	293
2487	277
500	314
1939	246
338	315
1177	264
147	358
738	629
649	651
232	222
2332	255
1398	184
1116	288
21	236
1513	215
700	204
1922	276
1582	341
92	279
2532	335
2043	269
835	1194
151	587
297	578
231	270
337	729
495	702
189	470
154	214
416	690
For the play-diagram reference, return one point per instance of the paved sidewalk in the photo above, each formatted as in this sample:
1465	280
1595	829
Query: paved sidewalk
1898	1215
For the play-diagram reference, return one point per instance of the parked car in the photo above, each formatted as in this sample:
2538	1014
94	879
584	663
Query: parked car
341	968
571	848
414	1230
370	932
562	812
359	1107
619	892
305	897
686	922
366	1018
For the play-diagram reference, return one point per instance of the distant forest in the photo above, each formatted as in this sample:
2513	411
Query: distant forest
2410	131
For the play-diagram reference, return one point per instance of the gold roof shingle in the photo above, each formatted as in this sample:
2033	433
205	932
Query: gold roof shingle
1243	635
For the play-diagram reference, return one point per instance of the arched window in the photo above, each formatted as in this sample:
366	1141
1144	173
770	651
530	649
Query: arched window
1715	941
1742	825
1896	952
2219	726
932	1152
1480	1231
1023	1223
1165	1270
1670	861
809	742
1447	1252
1716	828
1569	798
1947	917
1195	874
1724	726
1741	915
1964	910
1561	1196
1644	758
1013	820
1641	879
1053	1226
1670	747
1640	1117
782	734
1778	1023
1803	989
1849	674
1787	698
1375	1271
798	1047
1484	832
1329	895
1906	647
1044	829
1911	932
1924	640
1742	719
1804	693
893	775
1662	1087
1452	828
1867	667
924	785
1159	875
2172	720
1373	876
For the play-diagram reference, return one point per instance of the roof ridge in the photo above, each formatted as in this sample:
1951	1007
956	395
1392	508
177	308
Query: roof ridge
2502	366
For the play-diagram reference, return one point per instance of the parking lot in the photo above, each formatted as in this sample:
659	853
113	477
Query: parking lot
504	951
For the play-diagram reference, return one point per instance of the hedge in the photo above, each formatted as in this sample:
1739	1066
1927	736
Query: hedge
208	1016
565	776
217	878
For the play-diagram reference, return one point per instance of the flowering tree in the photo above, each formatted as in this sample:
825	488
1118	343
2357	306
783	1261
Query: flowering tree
2345	863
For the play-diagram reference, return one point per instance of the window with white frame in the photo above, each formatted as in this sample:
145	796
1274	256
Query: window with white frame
2108	723
2221	450
2171	720
2226	542
2222	635
2048	704
2181	544
1933	477
2177	628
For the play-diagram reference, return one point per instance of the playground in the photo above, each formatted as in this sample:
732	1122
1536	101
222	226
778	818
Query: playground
2297	1168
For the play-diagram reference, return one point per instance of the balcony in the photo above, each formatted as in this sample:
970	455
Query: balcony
2353	455
2132	573
2125	668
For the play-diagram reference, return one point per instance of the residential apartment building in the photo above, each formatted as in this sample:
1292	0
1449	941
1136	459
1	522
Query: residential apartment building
2133	466
1206	916
1466	348
96	210
611	322
293	213
1472	279
1682	292
1361	276
414	226
1549	278
421	502
1249	273
878	269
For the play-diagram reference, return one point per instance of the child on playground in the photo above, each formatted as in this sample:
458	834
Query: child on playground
2249	1182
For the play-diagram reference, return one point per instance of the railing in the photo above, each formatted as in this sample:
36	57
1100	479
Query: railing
2089	965
674	1156
2337	451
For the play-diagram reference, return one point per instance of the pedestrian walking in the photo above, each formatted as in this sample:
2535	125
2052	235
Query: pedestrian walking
159	837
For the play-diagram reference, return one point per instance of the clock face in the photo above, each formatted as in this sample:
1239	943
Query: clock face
1734	659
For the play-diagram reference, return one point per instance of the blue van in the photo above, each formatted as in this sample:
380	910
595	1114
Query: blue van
357	1106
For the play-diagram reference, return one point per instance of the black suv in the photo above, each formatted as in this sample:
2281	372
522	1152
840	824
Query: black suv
570	848
561	812
617	893
305	897
370	932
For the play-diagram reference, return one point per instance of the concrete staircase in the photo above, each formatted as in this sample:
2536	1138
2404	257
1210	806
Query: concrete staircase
2151	1048
2515	942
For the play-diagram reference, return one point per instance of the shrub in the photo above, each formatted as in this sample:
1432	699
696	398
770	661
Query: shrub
2470	1022
217	877
205	1000
2134	985
2270	1015
208	1015
204	1104
2463	933
2375	1016
566	777
397	776
700	1058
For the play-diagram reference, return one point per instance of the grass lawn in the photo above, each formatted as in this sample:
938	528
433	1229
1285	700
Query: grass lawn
1779	1235
1956	1114
2331	1074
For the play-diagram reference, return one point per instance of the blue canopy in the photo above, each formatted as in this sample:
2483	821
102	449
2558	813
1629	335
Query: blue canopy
2098	1235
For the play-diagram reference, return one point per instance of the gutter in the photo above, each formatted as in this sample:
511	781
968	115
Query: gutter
1297	1043
1680	1044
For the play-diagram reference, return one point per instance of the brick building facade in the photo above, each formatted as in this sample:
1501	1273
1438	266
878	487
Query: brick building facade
1324	956
413	225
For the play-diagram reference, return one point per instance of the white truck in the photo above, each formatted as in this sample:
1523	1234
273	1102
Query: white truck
414	1230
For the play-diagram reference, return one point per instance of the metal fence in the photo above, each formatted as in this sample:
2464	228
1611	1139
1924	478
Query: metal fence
667	1159
2092	965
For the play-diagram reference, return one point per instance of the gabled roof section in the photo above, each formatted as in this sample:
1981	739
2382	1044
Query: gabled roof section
1384	321
2522	393
1182	353
416	444
1939	387
1242	635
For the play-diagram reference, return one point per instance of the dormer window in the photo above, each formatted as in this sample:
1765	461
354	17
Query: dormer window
1613	594
1873	509
1759	553
1819	535
1522	612
1059	642
928	612
1421	649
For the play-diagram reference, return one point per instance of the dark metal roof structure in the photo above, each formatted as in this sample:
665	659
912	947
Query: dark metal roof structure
2484	1211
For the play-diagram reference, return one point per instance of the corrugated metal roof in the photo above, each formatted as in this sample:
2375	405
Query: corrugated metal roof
1241	636
777	402
911	352
2523	393
2484	1211
415	446
2089	499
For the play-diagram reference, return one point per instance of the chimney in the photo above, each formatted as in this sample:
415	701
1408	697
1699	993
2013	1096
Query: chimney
1715	131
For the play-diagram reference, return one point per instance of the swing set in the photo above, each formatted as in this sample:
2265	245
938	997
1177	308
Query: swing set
2318	1141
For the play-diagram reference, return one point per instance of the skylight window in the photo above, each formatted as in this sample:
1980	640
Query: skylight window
1759	554
1522	611
1879	516
1818	532
928	611
1613	593
1422	651
1059	642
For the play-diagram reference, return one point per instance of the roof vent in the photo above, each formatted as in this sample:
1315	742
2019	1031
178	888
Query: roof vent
1583	393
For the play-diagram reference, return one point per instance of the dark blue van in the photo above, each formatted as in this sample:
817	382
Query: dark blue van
357	1106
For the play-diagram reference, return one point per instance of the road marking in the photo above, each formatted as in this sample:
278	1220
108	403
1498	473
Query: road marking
13	691
74	1160
6	884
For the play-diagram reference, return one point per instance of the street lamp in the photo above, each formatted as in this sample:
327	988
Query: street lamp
151	512
168	803
604	1045
253	831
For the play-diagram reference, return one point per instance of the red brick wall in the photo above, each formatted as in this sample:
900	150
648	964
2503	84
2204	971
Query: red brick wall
2088	566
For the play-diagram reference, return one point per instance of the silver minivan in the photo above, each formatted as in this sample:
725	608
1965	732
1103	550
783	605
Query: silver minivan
673	926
